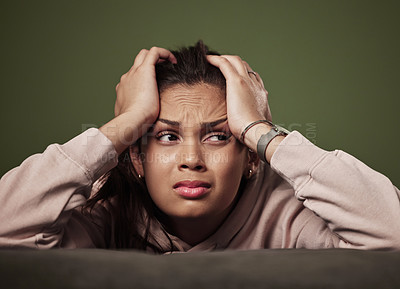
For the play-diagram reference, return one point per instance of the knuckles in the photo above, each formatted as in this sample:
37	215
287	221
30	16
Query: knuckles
123	76
141	69
242	82
236	57
223	60
154	49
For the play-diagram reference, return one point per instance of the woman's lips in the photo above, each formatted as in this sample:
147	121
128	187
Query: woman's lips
192	189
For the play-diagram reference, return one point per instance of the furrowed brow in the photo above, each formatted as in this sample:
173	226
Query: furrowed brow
170	122
213	123
203	124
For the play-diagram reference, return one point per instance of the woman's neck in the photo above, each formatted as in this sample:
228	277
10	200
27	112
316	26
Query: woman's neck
195	230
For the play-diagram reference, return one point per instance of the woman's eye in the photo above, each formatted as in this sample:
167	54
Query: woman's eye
167	137
218	138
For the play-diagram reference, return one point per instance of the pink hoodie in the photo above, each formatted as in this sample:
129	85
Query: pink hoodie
308	198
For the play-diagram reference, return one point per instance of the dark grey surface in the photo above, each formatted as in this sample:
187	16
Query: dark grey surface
229	269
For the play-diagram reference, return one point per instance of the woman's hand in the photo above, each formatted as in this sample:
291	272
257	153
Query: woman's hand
137	90
246	101
137	105
246	97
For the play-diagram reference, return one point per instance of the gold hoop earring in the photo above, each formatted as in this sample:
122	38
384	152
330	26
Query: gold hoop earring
250	173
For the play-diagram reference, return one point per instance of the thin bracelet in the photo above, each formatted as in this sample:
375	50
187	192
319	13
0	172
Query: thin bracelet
251	125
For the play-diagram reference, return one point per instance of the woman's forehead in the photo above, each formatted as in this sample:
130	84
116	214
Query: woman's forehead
197	103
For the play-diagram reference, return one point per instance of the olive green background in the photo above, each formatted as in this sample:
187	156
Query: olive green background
331	67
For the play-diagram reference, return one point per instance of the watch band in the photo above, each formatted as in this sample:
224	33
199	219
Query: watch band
265	139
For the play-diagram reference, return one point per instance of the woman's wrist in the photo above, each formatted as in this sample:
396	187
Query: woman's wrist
254	134
124	130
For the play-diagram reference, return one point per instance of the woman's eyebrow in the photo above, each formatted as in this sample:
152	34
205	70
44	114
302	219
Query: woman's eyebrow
203	124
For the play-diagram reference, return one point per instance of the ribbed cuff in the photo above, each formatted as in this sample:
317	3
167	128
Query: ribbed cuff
93	152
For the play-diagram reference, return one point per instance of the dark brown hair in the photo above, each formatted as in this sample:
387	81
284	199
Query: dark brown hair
124	194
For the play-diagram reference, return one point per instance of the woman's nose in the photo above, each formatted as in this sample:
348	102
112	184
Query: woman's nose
191	157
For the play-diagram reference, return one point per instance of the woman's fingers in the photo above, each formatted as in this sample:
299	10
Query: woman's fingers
226	67
139	59
157	53
237	62
137	88
153	56
255	74
239	66
243	68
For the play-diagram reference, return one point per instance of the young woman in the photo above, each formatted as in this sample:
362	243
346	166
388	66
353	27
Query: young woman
192	162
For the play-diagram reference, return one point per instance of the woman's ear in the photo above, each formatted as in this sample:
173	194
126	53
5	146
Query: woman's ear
136	159
253	163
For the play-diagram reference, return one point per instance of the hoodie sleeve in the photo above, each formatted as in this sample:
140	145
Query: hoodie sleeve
358	204
38	199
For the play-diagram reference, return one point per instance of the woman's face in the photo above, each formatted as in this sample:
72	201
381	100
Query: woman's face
192	164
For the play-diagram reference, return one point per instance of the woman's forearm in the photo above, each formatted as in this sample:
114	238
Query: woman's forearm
125	129
357	203
37	197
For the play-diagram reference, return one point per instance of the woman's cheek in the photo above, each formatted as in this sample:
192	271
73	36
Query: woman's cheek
156	156
230	163
166	159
